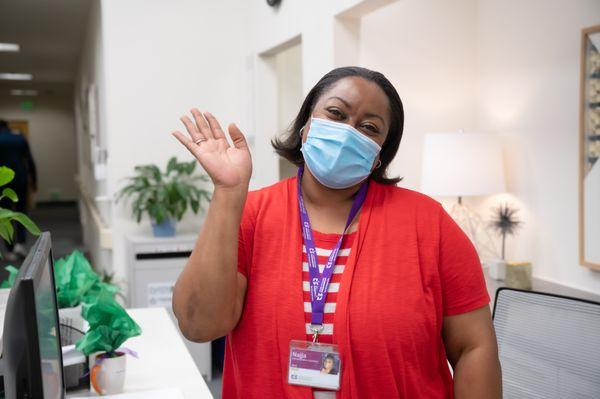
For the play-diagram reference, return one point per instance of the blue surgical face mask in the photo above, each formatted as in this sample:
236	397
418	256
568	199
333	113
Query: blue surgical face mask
338	155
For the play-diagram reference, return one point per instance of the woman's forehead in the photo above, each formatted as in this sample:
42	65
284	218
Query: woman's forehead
357	93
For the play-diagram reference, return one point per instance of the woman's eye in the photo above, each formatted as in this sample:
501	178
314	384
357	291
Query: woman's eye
371	128
335	112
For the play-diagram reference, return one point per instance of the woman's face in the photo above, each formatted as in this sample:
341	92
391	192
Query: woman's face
328	364
357	102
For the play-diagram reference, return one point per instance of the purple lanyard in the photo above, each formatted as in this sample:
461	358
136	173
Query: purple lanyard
319	283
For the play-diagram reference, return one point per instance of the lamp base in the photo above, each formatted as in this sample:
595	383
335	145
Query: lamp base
476	229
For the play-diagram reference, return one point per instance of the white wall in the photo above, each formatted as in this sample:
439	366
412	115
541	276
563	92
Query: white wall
426	49
506	67
91	73
160	60
52	142
528	91
591	189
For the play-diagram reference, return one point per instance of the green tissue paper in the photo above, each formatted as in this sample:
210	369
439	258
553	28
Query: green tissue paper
74	277
97	289
12	276
110	325
77	282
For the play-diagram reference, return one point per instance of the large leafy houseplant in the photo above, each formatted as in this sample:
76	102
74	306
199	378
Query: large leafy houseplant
7	216
165	196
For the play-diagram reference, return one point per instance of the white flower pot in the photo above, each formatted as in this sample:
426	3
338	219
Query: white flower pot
497	269
108	376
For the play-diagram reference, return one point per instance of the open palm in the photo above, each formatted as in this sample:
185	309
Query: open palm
229	166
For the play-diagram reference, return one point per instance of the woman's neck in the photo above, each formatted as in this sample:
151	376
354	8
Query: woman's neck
320	196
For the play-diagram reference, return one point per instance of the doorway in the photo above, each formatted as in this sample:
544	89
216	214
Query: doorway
288	67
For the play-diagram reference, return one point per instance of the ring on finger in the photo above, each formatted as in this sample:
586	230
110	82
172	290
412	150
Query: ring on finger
200	140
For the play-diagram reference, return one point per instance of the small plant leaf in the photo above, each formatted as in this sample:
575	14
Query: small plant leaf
6	213
10	194
195	205
27	223
6	231
6	175
171	165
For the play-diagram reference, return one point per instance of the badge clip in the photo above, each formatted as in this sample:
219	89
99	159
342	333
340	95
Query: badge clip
316	330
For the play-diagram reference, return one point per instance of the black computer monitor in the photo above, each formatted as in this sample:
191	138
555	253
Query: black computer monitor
32	357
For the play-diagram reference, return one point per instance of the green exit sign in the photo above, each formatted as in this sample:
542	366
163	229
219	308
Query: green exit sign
26	105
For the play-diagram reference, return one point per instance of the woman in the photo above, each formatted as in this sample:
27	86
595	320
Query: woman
328	363
388	274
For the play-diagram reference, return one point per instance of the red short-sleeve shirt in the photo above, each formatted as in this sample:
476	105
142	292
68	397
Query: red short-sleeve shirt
410	266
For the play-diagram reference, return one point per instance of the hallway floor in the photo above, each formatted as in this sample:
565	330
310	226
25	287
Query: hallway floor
62	221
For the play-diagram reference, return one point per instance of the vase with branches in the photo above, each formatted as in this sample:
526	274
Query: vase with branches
505	223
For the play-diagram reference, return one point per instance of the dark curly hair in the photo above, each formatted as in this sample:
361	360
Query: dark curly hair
289	144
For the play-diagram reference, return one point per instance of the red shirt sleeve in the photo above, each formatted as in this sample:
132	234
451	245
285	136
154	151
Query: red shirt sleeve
246	237
461	275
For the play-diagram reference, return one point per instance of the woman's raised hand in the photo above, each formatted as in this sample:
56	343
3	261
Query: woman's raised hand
229	167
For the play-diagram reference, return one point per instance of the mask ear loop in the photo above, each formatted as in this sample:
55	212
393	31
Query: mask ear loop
378	164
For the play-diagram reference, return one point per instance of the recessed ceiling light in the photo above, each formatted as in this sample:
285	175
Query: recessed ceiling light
20	92
12	47
16	76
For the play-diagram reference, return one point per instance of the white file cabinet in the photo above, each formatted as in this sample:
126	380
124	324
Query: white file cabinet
155	264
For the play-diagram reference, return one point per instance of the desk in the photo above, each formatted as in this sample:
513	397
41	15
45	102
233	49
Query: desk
540	286
164	361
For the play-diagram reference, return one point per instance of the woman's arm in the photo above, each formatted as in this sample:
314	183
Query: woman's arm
209	295
472	350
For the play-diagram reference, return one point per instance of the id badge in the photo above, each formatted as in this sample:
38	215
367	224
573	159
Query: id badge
314	365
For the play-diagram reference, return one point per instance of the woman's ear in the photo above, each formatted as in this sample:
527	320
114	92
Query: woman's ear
304	131
376	163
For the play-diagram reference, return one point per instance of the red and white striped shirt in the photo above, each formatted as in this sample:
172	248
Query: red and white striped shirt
324	244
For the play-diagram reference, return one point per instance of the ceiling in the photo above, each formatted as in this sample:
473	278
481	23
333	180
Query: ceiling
50	33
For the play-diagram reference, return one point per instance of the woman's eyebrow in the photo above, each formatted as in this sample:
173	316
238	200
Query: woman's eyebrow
371	115
346	103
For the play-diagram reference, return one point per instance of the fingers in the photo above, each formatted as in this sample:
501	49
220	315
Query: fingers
186	141
214	126
207	127
191	128
237	137
201	124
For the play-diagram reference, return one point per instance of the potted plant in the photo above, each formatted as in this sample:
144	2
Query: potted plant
7	216
505	223
76	283
109	327
165	196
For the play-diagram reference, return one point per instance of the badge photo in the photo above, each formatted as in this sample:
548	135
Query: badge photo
314	365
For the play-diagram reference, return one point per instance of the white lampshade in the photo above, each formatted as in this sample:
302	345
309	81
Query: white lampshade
462	164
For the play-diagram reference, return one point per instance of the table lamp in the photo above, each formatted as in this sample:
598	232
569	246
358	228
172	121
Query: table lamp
464	164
